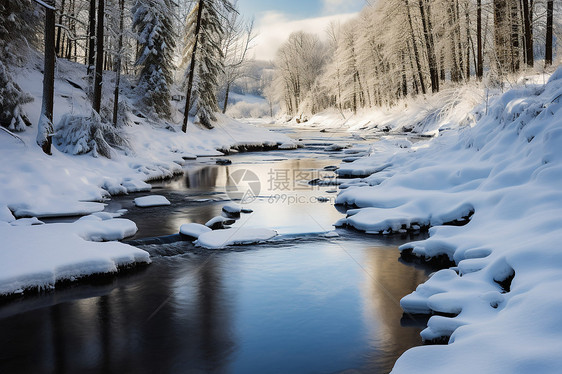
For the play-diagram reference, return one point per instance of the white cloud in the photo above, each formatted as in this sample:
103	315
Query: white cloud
274	28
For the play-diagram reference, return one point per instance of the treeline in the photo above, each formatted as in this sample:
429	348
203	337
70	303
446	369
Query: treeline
198	46
401	48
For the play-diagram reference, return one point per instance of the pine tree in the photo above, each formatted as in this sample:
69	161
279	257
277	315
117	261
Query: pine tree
203	56
12	98
153	23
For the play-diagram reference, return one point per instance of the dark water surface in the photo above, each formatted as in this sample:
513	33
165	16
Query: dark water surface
304	304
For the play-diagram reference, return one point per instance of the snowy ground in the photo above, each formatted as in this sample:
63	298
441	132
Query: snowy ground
34	185
501	303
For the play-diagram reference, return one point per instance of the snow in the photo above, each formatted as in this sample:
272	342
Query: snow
193	230
6	215
425	115
500	304
153	200
39	256
218	239
288	146
219	221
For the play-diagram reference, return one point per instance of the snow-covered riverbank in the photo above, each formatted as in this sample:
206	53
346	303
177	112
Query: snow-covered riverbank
34	185
501	303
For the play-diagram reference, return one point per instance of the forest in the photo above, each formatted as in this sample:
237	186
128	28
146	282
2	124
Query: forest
196	51
395	49
188	50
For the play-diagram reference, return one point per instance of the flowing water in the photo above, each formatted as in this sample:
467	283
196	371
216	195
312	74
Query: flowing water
303	303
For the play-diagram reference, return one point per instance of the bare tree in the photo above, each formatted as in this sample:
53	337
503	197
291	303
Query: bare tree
191	74
91	35
528	34
548	44
98	79
45	126
480	58
118	58
236	43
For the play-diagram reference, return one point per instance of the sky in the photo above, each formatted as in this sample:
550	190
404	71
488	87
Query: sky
275	20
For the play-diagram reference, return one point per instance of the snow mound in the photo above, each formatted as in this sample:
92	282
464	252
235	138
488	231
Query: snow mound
219	222
45	209
78	134
288	146
222	238
6	215
135	185
27	222
39	256
193	230
153	200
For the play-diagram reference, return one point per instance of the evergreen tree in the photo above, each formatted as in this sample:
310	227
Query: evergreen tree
153	23
203	56
14	16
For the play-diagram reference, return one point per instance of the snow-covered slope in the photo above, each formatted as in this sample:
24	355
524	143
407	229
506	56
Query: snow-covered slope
501	303
423	115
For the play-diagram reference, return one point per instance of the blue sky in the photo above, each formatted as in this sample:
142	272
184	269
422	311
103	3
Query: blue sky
275	20
300	9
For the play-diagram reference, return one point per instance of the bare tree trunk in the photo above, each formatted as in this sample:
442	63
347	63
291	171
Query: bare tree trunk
45	126
549	16
404	87
480	62
226	98
455	66
119	57
98	81
529	57
92	36
428	34
458	37
416	54
192	67
513	17
414	80
467	20
58	43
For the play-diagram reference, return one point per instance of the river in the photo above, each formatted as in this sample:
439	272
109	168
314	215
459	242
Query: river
303	303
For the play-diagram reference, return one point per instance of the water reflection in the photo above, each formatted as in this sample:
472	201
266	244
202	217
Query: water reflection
291	308
204	178
286	201
388	281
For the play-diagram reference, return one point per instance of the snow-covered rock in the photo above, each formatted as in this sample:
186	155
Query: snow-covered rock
135	185
219	222
38	256
232	208
193	229
331	234
153	200
218	239
287	146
